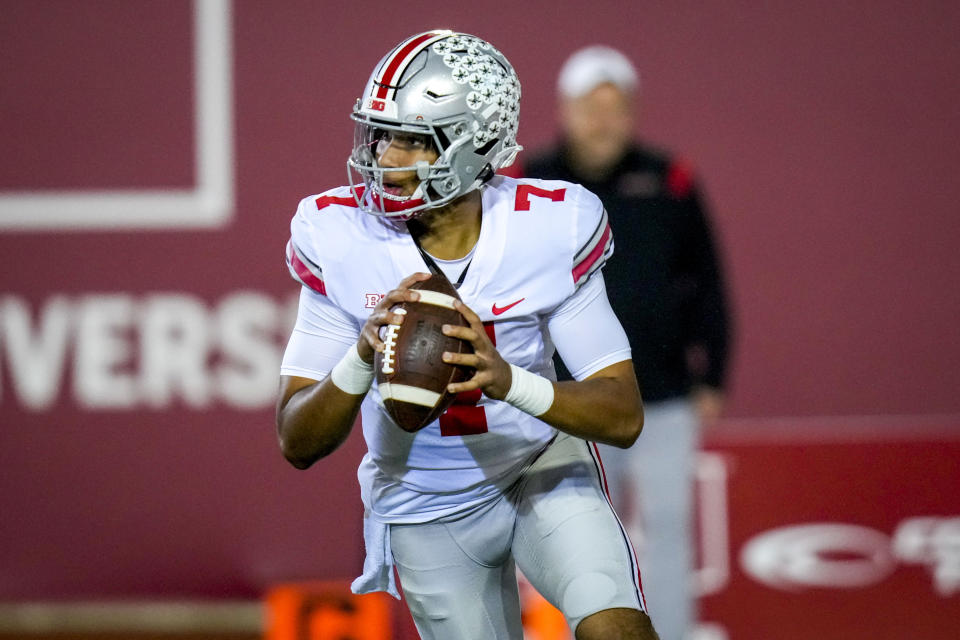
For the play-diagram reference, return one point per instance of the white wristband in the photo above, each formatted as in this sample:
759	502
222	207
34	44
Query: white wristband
529	392
352	375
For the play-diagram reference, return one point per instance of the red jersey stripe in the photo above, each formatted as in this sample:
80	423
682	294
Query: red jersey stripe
326	201
305	275
585	264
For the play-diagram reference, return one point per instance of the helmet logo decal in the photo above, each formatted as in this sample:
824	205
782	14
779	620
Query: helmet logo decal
471	60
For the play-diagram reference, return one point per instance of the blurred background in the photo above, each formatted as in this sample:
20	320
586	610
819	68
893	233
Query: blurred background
153	154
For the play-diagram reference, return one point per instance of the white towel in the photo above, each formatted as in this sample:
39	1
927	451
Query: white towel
378	565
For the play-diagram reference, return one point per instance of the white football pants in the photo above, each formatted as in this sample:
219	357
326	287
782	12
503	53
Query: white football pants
556	524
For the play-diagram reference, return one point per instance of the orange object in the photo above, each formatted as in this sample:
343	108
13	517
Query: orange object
326	611
541	620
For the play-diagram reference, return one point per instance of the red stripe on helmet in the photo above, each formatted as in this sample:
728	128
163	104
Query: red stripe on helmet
392	67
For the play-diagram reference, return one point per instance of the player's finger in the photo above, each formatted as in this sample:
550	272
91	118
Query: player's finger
464	333
370	335
403	293
395	297
377	320
419	276
463	359
459	387
381	318
472	318
479	380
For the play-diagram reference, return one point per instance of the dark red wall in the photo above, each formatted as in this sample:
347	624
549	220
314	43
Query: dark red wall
826	137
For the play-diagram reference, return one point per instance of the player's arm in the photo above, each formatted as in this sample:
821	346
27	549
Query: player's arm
314	416
603	406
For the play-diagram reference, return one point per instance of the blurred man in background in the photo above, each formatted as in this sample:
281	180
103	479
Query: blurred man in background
666	287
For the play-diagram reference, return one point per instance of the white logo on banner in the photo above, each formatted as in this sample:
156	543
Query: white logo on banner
934	542
847	556
818	555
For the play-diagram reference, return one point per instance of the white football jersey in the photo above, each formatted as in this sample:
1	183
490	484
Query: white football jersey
539	241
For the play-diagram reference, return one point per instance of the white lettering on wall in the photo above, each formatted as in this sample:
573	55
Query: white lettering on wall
121	351
35	354
176	340
103	378
245	322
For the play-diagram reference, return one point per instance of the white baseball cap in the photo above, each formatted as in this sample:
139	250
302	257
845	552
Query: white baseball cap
592	66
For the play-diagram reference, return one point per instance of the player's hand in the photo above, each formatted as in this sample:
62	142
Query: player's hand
708	403
369	340
493	374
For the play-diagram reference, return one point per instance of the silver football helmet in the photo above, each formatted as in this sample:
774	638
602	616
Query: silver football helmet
451	89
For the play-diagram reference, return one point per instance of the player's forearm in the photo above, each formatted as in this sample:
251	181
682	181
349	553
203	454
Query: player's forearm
315	421
605	407
589	412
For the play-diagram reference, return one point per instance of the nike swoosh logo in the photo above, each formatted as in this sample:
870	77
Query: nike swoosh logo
498	310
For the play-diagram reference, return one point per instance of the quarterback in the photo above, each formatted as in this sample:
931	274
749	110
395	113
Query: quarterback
508	477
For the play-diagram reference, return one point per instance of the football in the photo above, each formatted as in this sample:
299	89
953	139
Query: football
411	374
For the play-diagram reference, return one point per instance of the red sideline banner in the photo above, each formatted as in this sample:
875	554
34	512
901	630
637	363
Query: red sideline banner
809	528
830	528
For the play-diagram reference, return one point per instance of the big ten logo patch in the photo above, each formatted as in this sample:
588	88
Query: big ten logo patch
326	611
373	299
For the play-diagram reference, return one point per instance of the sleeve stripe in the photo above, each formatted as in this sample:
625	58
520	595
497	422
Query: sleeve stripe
304	271
596	257
590	245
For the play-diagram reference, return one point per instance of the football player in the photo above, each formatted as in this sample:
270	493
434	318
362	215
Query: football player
509	476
